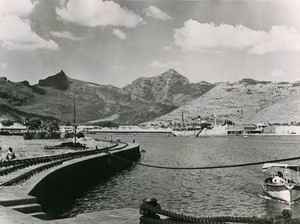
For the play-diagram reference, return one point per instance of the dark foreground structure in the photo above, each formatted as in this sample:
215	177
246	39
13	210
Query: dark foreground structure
45	193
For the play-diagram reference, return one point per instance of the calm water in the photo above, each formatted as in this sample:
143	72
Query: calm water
214	192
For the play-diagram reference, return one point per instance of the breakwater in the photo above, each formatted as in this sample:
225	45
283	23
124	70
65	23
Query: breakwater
72	179
54	187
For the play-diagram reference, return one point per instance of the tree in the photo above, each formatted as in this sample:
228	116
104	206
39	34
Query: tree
7	122
35	124
51	126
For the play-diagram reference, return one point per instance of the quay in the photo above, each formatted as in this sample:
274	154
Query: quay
32	200
130	130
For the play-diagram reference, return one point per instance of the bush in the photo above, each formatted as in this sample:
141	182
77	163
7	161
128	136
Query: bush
7	123
80	135
28	136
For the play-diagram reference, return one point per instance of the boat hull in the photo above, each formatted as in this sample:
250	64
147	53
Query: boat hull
215	131
186	133
285	192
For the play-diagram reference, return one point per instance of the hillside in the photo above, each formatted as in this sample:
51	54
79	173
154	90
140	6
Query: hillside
53	98
168	88
247	101
157	100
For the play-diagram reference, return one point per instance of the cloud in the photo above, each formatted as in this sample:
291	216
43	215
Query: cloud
17	7
16	34
118	67
278	73
155	12
121	35
279	38
66	35
167	65
167	48
195	36
94	13
3	66
15	29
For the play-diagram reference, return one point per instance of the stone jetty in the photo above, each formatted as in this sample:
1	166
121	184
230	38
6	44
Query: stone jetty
31	200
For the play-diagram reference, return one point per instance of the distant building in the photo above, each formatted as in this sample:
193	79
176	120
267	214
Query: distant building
287	130
235	130
252	129
15	128
68	128
80	128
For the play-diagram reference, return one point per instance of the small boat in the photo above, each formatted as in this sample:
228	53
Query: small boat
67	145
282	181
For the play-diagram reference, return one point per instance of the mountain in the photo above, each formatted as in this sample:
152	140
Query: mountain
246	101
53	98
58	81
156	100
168	88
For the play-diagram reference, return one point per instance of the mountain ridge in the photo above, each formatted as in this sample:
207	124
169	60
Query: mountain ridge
153	100
246	101
98	102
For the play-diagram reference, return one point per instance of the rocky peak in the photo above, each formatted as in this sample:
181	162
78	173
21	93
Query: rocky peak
58	81
173	76
169	87
172	71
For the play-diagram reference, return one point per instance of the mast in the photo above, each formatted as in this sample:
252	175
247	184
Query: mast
215	117
75	125
215	120
182	119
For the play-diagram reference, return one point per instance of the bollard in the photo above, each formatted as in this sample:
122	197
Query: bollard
150	202
286	217
287	214
133	141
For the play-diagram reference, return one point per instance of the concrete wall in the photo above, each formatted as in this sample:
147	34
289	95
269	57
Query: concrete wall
62	185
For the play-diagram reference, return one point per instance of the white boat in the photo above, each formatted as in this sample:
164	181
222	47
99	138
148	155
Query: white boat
282	181
186	131
216	130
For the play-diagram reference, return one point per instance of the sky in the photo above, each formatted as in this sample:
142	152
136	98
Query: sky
116	42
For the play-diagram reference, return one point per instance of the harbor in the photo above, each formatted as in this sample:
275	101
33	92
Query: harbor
149	112
183	131
211	192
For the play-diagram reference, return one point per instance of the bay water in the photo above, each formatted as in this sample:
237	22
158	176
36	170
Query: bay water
210	192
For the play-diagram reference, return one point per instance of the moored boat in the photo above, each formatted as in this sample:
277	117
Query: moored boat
282	181
186	131
67	145
216	130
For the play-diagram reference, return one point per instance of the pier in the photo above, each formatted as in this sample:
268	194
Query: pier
31	196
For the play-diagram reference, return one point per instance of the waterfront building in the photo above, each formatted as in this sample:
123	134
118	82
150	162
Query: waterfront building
287	130
13	129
